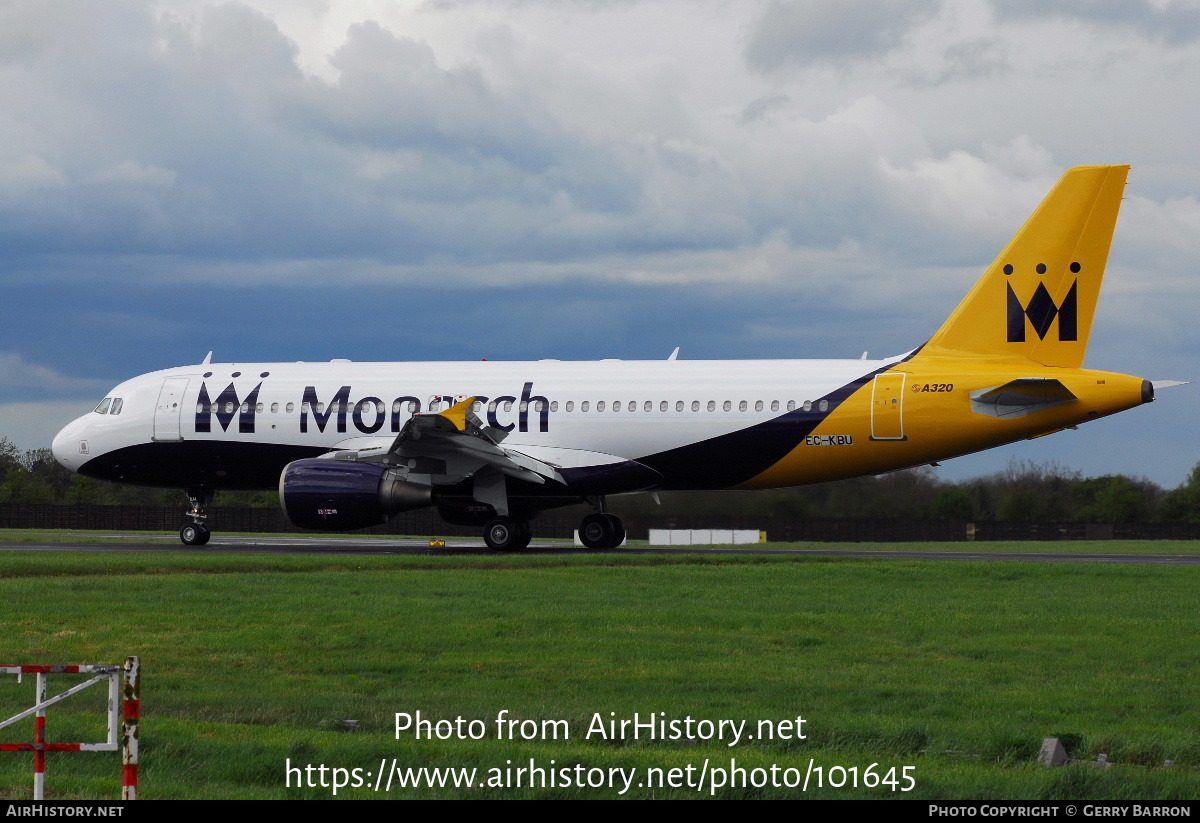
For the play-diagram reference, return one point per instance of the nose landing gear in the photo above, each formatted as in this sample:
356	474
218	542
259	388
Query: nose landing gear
194	532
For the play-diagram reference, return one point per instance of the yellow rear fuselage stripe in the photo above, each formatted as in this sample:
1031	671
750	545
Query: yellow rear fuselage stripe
920	411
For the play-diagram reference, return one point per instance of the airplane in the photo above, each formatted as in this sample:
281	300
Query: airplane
491	444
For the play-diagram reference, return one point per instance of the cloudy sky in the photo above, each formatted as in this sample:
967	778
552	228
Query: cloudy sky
579	179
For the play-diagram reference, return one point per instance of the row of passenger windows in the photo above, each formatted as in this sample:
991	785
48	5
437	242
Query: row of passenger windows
110	405
537	406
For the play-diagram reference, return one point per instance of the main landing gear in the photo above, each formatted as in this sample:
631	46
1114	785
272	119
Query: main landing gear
507	534
194	532
597	531
602	531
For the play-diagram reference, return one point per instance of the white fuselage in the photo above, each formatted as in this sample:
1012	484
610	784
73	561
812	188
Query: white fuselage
626	409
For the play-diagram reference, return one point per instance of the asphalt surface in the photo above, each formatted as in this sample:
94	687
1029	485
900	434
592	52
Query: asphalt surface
286	544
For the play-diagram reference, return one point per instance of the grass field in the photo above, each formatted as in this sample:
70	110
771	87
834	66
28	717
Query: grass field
957	669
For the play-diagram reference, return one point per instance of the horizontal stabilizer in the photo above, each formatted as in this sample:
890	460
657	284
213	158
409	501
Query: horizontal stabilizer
1020	397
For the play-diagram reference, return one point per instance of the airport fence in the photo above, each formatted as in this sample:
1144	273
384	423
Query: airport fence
561	524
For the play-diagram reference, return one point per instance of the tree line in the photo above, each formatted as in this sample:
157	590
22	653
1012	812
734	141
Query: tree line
1024	492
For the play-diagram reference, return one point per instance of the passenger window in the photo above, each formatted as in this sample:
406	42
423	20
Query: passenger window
321	408
712	405
290	408
774	405
662	406
616	405
726	406
584	406
245	408
824	405
570	405
200	408
258	409
103	407
742	406
678	405
808	405
791	405
274	408
758	405
600	405
650	405
695	405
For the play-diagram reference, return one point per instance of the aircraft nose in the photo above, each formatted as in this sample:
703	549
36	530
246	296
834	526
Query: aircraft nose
69	447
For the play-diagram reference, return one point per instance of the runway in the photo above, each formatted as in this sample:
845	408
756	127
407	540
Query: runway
352	545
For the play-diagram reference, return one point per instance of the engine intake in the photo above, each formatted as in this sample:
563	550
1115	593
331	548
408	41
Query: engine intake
341	495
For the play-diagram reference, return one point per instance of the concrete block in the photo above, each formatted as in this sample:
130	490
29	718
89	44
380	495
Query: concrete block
1052	753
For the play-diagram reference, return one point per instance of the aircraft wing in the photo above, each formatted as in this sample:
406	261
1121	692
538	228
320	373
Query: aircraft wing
448	446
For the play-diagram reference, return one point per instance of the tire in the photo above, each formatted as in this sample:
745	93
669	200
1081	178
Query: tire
596	531
524	535
618	530
507	535
194	535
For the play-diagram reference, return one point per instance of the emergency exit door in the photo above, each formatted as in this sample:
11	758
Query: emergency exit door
887	407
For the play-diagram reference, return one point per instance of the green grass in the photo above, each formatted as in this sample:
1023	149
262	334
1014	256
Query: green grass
1184	547
959	669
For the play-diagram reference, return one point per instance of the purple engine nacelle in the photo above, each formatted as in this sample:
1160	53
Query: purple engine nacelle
341	495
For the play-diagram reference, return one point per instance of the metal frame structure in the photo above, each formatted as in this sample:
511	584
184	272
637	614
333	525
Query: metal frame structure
124	709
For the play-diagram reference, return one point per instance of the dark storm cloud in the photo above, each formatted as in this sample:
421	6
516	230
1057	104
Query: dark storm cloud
205	139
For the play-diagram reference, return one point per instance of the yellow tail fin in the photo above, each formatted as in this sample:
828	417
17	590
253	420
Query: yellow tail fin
1038	298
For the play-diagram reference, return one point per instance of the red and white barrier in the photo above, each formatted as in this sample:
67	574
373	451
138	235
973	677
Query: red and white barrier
124	703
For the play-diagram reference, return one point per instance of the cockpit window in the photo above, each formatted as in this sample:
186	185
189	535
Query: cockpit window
116	406
103	407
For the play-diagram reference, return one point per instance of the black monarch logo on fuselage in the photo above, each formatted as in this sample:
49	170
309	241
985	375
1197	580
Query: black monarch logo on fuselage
1042	311
367	414
225	407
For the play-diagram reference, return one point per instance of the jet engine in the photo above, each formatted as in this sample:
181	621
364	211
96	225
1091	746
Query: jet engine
340	495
